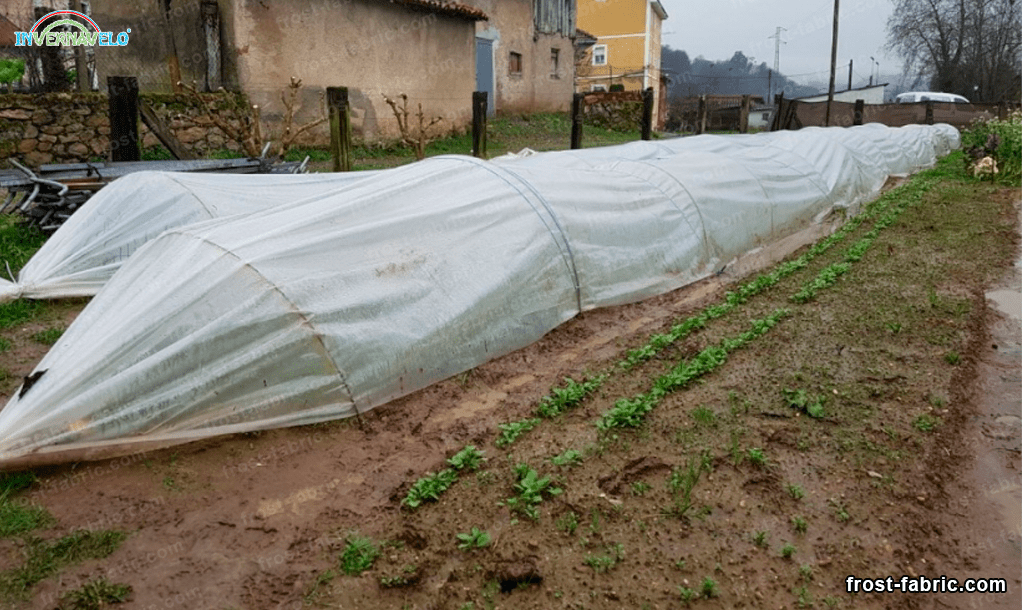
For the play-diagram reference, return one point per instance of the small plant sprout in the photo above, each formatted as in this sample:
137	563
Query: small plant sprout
806	572
709	588
509	433
571	457
796	492
925	422
359	555
603	563
800	400
756	457
476	539
530	488
469	457
894	327
800	524
639	488
704	416
688	595
952	357
787	550
840	511
760	539
429	488
567	523
568	397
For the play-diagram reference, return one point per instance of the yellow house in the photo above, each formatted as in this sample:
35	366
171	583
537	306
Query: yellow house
627	49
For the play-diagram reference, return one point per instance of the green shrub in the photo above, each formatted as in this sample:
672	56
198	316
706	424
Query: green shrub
1008	152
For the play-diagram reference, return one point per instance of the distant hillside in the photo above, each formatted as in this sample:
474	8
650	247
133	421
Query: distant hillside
737	75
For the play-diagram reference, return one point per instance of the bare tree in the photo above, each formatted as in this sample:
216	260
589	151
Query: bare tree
969	47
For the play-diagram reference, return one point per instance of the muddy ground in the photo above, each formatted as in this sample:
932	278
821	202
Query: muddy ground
911	468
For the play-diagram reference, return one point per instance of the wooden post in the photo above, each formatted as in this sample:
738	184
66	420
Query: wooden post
647	113
123	118
340	127
1002	110
929	112
860	107
833	64
162	132
577	104
479	108
743	120
701	117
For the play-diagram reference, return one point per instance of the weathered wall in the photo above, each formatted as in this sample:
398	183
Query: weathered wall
154	33
373	48
539	87
64	127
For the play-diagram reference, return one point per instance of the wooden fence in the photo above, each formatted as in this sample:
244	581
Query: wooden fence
795	114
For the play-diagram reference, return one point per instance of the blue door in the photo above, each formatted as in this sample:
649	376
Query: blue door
484	72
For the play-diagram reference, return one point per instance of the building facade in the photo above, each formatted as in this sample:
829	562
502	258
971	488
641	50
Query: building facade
524	54
627	50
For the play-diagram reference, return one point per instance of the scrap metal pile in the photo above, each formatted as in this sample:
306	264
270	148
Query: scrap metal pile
49	196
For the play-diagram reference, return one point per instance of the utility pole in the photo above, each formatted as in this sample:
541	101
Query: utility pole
833	64
777	59
850	74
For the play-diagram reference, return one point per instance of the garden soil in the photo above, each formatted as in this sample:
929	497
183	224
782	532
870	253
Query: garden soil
259	521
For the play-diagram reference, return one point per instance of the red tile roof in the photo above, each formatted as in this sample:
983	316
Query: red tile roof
446	7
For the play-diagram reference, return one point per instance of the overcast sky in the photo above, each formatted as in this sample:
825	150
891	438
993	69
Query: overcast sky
716	30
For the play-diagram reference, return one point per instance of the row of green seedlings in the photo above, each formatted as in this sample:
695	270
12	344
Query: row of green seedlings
361	552
430	487
629	413
574	392
830	274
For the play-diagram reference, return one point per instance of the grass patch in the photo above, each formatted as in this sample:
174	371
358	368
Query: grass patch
48	336
45	558
94	595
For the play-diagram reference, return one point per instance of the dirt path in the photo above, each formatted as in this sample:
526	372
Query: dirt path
258	521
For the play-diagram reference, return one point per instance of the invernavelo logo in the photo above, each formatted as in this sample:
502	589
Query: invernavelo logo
78	36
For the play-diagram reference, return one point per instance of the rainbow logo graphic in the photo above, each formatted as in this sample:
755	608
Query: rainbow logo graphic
78	36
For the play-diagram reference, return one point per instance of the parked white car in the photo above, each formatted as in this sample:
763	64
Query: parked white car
929	96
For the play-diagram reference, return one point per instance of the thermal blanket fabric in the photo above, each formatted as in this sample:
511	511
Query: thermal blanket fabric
83	254
336	304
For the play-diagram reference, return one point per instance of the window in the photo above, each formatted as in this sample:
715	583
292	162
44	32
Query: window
514	63
555	63
600	55
595	88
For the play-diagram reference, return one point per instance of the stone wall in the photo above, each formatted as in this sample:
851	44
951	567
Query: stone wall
74	127
617	110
